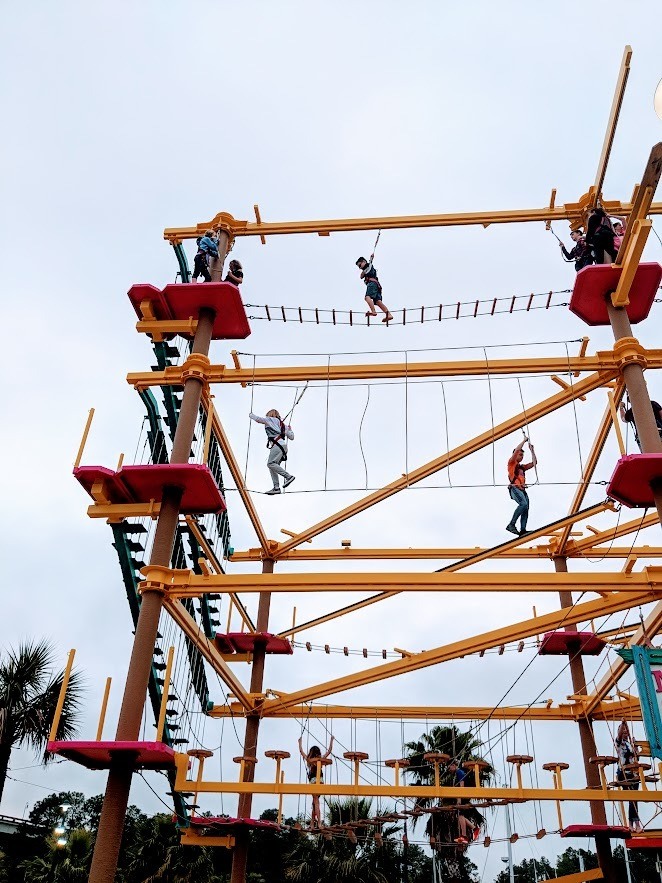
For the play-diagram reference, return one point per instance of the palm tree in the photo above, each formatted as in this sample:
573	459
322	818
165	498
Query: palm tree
28	696
62	864
156	855
442	825
331	857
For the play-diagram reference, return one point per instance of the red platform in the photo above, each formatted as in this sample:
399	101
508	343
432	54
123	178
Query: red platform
645	841
215	822
616	832
244	642
141	484
98	755
184	301
630	483
563	643
594	284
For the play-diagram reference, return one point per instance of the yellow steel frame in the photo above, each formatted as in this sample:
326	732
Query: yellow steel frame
618	591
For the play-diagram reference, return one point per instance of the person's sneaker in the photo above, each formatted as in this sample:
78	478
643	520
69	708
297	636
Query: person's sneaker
274	490
288	481
512	529
523	533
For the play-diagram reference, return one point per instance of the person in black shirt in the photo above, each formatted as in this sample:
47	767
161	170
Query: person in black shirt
628	417
580	254
373	288
600	237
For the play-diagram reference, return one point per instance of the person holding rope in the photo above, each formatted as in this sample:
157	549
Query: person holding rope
277	435
311	759
373	290
580	254
517	486
627	754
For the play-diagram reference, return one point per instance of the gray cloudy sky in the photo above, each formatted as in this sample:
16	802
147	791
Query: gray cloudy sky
123	119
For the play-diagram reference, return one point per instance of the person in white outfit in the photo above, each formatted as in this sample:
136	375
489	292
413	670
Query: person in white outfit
277	435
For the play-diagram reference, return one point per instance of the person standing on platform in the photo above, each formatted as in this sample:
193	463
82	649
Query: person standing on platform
580	254
207	247
627	755
600	237
373	289
235	273
517	486
277	436
312	758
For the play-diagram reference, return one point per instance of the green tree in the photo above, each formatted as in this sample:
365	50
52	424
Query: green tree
28	695
47	813
528	871
442	823
332	857
69	863
568	861
156	856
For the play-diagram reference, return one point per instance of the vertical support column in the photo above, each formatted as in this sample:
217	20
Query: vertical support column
587	739
240	852
116	798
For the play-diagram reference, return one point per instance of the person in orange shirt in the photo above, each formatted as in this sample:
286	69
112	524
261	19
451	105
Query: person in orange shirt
517	486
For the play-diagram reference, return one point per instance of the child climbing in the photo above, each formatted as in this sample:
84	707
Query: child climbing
311	758
277	436
373	290
467	830
628	417
580	254
207	247
235	273
517	486
627	755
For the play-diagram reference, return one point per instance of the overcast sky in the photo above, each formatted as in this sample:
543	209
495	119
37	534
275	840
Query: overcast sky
123	119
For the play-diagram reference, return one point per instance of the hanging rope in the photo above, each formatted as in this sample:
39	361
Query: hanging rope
407	416
297	399
374	248
365	463
574	410
448	464
489	388
250	424
527	434
326	422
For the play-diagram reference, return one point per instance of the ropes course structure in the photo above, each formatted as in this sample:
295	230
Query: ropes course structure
170	507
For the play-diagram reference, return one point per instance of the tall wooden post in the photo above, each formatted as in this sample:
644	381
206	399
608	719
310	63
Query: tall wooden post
240	853
116	798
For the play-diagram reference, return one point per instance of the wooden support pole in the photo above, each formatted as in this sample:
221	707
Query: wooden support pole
63	692
104	706
86	432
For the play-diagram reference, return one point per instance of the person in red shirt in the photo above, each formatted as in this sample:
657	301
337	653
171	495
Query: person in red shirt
517	486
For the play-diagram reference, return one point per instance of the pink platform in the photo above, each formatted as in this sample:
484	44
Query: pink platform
564	643
140	484
630	483
594	284
613	831
244	642
226	822
98	755
185	301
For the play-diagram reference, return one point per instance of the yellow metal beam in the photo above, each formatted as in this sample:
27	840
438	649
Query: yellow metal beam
619	92
235	470
583	546
562	712
591	463
606	362
584	612
186	584
573	211
193	631
453	568
432	554
492	435
642	205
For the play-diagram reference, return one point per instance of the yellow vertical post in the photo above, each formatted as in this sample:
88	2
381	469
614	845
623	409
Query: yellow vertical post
208	428
86	431
63	689
230	604
280	800
294	618
104	706
614	418
164	699
119	462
